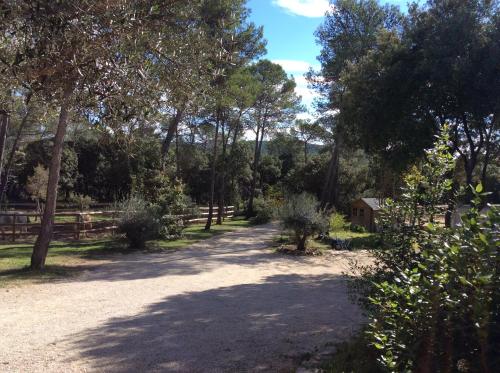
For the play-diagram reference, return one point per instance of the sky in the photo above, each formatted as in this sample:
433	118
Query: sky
289	27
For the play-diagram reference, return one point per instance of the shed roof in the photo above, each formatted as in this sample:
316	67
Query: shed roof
374	203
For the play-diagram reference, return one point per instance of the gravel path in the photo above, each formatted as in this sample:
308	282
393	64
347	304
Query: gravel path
227	304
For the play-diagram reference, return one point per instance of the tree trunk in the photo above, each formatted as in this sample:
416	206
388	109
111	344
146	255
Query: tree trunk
222	180
301	244
305	152
212	176
4	125
8	166
329	195
177	171
254	172
172	129
47	224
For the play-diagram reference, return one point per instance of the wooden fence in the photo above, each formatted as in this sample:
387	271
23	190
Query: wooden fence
71	224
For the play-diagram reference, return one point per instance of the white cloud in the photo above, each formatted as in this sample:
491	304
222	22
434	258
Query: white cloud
306	8
298	68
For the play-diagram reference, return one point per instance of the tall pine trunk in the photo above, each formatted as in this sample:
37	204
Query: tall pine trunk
258	148
330	189
41	247
172	130
4	125
212	176
222	178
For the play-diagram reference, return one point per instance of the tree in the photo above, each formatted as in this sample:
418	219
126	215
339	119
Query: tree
347	34
307	131
36	186
70	49
276	103
301	214
237	43
437	69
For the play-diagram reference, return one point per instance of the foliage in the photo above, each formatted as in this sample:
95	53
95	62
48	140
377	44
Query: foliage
172	227
82	201
337	222
413	80
139	222
433	292
263	211
36	185
357	228
301	214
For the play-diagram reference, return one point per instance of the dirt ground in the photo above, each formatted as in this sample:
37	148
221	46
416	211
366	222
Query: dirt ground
227	304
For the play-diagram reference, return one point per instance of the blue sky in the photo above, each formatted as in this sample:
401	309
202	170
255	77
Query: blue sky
289	27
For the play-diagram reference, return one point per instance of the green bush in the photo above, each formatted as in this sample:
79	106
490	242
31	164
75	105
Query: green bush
171	227
337	222
357	228
263	210
82	201
138	221
433	292
301	214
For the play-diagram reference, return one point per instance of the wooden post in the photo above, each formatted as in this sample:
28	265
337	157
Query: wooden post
77	226
13	228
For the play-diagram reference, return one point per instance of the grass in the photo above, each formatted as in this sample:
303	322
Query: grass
69	258
357	241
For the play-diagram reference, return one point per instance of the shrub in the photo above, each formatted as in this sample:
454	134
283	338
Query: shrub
337	222
82	201
138	221
301	214
171	227
357	228
263	211
433	292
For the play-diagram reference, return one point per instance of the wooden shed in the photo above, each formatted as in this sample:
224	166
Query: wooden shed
364	212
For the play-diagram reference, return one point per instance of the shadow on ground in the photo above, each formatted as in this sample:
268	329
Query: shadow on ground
268	326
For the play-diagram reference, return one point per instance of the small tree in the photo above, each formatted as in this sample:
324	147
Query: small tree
36	186
303	216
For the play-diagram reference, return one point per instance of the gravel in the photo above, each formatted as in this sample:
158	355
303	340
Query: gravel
227	304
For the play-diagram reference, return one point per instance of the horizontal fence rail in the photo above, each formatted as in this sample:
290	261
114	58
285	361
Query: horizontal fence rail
78	224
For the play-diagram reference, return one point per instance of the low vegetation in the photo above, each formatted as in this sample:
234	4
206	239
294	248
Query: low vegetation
432	294
69	258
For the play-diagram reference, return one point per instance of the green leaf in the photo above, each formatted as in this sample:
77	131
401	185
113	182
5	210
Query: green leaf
479	188
464	281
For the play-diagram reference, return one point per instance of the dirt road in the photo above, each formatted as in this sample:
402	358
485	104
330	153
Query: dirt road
227	304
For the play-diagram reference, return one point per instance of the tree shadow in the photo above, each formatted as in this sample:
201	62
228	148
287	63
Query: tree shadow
267	326
234	248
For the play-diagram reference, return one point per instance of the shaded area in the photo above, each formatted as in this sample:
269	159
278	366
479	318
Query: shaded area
268	326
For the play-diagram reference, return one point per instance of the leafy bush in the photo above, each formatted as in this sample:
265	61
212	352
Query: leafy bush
357	228
434	298
263	211
171	227
82	201
337	222
138	221
301	214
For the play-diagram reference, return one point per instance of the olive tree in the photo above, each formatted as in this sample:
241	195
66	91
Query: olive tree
302	214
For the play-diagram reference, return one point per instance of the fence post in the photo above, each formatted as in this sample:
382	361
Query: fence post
13	228
77	227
